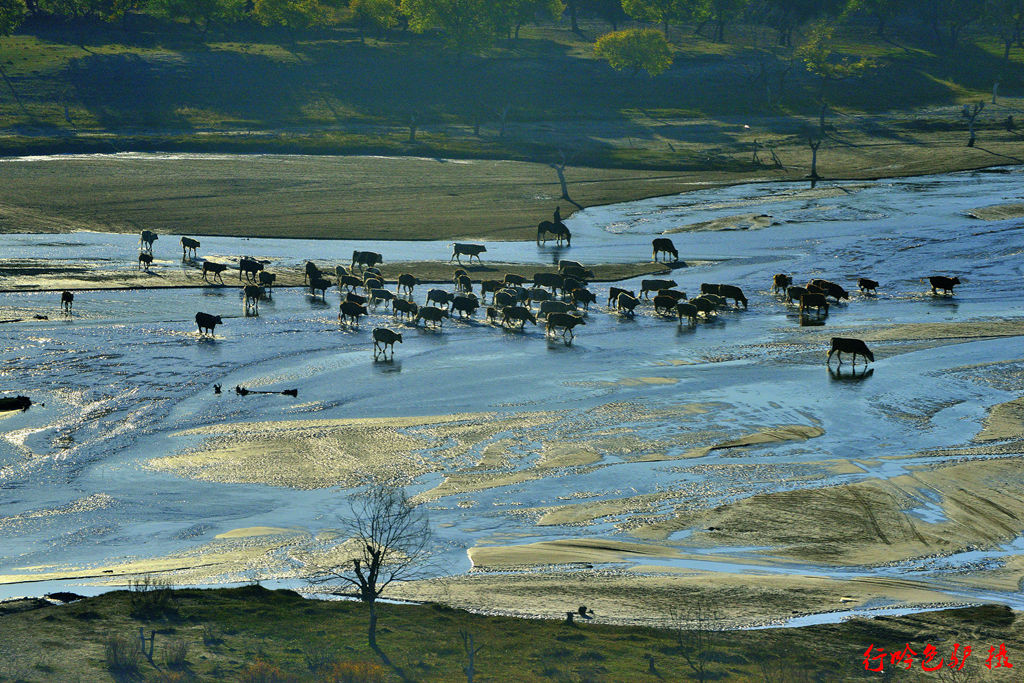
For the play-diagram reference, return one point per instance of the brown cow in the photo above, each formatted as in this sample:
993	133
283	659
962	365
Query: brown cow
350	310
215	268
648	286
780	281
627	302
382	339
815	301
517	314
688	311
613	295
564	321
407	281
431	314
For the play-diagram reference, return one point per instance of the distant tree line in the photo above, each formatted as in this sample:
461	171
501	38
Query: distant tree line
471	25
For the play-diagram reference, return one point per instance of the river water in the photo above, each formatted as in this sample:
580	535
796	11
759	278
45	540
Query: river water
126	373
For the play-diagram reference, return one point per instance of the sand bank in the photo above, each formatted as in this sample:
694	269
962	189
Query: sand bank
661	600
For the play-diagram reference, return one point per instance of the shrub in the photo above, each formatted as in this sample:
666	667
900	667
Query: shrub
263	672
122	656
149	597
355	672
211	635
175	654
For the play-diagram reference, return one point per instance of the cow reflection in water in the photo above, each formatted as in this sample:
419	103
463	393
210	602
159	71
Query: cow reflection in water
838	374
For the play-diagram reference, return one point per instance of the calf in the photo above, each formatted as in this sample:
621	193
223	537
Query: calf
829	288
583	296
145	261
780	281
323	284
539	294
510	315
67	300
267	280
250	266
440	296
205	321
506	297
815	301
146	240
517	280
406	308
356	298
340	272
613	295
459	272
464	284
688	311
251	299
373	283
663	245
627	302
704	305
944	283
350	282
552	281
431	314
492	286
674	293
492	314
188	245
564	321
867	286
732	292
460	249
215	268
794	293
382	339
841	345
648	286
406	281
663	303
465	305
378	295
550	307
350	310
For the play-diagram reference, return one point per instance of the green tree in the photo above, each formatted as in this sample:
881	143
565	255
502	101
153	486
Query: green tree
375	15
467	24
12	13
661	11
785	16
819	57
721	12
882	11
512	14
635	49
295	15
200	13
948	19
1006	19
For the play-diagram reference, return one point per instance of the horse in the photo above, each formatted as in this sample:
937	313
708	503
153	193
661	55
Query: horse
663	245
558	230
67	300
146	240
188	244
460	249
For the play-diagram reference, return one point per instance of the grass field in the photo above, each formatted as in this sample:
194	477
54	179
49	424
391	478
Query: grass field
242	633
710	119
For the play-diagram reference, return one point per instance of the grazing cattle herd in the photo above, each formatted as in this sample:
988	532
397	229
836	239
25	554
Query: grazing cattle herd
563	298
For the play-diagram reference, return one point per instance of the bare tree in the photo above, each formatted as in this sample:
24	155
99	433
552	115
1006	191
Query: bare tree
388	540
814	144
559	167
472	650
697	634
970	112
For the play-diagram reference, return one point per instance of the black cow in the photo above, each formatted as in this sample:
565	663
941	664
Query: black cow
857	347
205	321
944	283
663	245
215	268
460	249
366	258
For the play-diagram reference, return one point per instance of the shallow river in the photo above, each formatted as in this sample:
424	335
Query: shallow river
126	373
